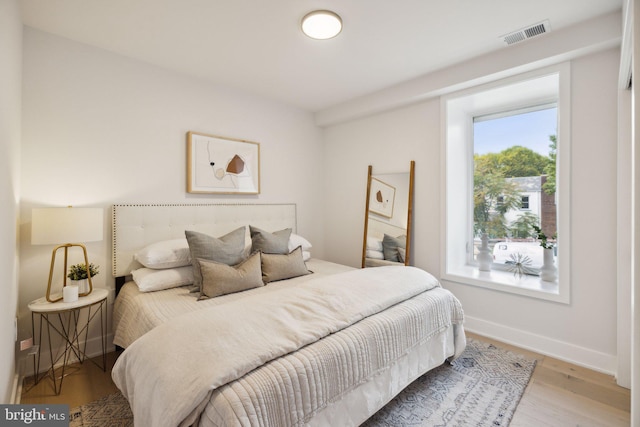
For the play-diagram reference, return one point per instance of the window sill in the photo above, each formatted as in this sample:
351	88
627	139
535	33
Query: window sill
504	281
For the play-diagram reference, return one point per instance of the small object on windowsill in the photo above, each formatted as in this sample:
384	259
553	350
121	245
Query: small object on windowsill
519	265
548	272
484	254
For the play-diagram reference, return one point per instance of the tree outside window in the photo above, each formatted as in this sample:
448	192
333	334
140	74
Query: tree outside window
502	210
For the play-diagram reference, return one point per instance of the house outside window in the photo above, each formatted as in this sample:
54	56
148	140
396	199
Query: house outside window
532	198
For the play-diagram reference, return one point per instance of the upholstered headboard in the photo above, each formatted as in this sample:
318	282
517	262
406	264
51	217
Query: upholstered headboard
380	228
136	226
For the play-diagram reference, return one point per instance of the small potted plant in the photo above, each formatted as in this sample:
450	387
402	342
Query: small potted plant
79	274
548	272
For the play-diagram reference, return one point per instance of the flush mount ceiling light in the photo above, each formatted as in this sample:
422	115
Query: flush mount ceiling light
321	24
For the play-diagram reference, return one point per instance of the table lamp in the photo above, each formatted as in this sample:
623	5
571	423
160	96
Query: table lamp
52	226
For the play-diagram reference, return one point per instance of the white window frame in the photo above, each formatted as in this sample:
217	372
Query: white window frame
457	113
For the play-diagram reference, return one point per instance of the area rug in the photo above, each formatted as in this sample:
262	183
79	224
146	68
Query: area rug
110	411
480	388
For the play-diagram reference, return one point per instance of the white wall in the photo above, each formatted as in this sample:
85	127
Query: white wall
388	142
583	331
10	111
633	8
99	129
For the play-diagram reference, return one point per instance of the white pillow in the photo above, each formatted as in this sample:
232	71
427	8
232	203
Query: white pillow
375	254
306	255
149	280
374	244
165	254
296	240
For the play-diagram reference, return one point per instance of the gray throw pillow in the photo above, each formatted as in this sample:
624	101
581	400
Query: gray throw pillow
390	247
270	243
221	279
283	266
228	249
402	255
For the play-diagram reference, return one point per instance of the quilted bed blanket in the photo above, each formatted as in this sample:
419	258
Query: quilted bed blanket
197	362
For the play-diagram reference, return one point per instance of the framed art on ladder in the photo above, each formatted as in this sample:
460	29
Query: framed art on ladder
219	165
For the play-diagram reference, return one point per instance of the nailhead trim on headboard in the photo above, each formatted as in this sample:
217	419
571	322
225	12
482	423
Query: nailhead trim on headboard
136	225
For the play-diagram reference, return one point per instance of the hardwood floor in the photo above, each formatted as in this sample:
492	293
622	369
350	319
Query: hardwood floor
83	383
559	394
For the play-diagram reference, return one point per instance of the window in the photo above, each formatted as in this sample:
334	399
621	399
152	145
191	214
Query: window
519	168
514	167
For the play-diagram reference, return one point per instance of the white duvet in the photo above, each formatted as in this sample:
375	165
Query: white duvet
168	375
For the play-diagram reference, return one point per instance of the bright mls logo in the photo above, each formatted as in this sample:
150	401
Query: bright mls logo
34	415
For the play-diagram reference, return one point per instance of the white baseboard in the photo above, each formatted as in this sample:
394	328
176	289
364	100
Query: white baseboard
16	390
581	356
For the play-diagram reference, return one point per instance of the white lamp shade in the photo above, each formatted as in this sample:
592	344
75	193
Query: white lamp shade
54	226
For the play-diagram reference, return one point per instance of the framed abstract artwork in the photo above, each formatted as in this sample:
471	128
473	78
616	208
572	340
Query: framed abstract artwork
381	198
219	165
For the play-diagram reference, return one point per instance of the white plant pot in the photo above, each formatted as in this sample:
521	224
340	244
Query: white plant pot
83	285
484	258
548	272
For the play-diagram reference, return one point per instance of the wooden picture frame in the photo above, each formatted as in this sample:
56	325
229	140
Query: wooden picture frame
381	198
220	165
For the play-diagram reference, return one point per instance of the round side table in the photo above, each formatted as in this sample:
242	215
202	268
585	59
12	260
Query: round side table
64	320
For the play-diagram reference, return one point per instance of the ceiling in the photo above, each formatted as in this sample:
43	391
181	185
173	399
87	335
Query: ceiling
257	45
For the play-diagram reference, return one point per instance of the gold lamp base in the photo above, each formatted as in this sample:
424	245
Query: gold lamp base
66	247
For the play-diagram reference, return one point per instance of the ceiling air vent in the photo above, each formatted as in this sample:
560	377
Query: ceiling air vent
526	33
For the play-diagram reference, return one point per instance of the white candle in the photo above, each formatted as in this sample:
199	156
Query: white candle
70	293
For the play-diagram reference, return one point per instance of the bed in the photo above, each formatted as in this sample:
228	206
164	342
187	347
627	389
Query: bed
327	347
376	232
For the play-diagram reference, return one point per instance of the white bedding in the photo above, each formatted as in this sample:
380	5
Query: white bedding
135	313
202	361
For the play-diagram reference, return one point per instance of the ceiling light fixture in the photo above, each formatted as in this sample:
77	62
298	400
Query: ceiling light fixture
321	24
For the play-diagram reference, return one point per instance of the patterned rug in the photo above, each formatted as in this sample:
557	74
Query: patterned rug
110	411
481	388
